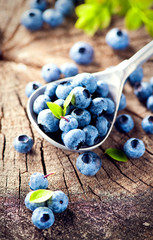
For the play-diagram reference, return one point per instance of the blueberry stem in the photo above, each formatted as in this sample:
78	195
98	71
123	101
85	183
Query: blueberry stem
49	174
65	118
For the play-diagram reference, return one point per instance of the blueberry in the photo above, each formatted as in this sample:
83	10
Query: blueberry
60	102
50	72
31	205
32	19
31	87
102	89
38	181
63	135
23	143
82	115
122	104
74	139
117	39
63	90
43	217
39	4
40	103
69	69
147	124
142	90
110	106
85	80
134	148
124	123
68	123
91	134
81	97
58	202
50	89
88	163
151	82
47	121
149	103
65	7
136	76
102	125
98	105
82	53
52	17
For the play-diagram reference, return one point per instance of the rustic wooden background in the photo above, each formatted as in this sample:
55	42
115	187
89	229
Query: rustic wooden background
117	203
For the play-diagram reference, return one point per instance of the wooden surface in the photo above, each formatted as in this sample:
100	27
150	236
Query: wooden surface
117	203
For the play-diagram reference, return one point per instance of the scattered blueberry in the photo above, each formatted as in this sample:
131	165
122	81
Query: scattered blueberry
149	103
43	217
124	123
63	90
38	181
40	103
134	148
91	134
85	80
102	125
151	82
122	104
142	90
58	202
50	89
88	163
68	123
74	139
47	121
32	19
82	115
52	17
39	4
69	69
65	7
23	143
31	205
50	72
82	97
117	39
136	76
31	87
98	105
147	124
82	53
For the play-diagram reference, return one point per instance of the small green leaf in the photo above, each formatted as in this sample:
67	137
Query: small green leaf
40	195
133	19
55	109
116	154
67	102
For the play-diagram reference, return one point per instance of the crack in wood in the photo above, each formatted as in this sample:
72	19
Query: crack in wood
92	191
42	158
3	150
19	183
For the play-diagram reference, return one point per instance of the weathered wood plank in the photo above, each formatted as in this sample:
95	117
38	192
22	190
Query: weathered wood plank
117	202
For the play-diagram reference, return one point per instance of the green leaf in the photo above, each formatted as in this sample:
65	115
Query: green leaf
133	19
40	195
55	109
141	4
116	154
105	18
67	102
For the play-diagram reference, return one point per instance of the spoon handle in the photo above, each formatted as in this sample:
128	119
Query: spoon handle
138	58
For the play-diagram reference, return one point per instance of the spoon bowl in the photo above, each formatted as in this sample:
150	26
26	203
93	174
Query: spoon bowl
115	77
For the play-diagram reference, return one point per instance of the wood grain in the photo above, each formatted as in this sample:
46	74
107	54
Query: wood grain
117	202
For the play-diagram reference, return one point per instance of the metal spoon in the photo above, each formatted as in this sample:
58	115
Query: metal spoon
115	77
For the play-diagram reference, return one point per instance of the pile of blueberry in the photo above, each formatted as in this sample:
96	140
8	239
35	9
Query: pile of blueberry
39	13
43	212
88	116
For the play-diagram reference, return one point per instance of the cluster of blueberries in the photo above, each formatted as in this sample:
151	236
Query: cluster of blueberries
38	14
88	117
43	212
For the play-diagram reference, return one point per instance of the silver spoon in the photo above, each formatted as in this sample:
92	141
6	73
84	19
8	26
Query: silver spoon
115	77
